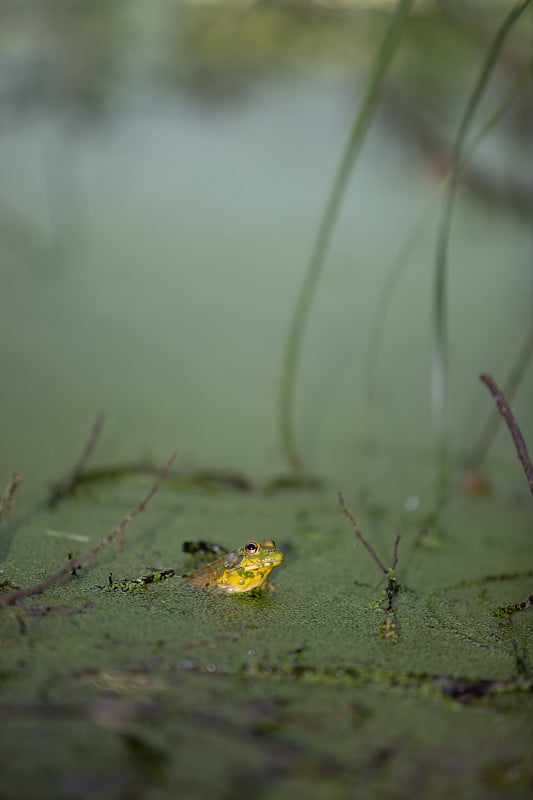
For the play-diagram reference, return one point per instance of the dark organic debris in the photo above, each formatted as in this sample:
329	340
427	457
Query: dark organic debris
505	612
203	548
136	584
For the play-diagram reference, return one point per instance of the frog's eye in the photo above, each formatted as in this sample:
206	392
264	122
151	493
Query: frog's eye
251	548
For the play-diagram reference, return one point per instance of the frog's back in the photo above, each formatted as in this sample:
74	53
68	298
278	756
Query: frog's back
208	576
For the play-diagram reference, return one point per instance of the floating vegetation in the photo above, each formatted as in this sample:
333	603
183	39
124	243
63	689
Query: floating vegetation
138	584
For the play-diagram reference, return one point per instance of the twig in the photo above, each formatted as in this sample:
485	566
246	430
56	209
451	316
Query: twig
519	366
392	583
395	551
9	495
388	629
512	424
64	488
355	526
8	598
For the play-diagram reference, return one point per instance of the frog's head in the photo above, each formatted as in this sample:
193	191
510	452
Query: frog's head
249	567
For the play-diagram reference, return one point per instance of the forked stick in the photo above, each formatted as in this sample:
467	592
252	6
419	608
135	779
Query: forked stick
8	598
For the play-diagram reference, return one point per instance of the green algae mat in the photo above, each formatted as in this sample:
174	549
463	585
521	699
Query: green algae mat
309	689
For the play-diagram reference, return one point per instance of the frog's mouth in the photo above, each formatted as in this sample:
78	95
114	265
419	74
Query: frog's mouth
272	561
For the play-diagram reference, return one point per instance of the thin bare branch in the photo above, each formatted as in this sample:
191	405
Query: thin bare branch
507	414
9	495
516	374
395	551
356	530
8	598
66	486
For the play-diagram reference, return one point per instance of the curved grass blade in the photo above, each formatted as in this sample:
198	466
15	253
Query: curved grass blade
324	233
396	270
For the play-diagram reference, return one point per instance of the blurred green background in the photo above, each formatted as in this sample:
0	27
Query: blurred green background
164	169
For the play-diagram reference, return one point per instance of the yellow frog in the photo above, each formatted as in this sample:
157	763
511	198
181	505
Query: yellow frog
241	570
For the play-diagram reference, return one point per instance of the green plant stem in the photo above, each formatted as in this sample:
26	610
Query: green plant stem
440	298
294	342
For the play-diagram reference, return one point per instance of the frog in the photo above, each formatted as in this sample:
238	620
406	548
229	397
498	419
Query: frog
243	570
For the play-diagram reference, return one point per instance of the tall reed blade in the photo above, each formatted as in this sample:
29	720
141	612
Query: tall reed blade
294	342
440	292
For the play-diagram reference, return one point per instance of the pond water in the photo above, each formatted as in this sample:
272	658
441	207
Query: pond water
153	241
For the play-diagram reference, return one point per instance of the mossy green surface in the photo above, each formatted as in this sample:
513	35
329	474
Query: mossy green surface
171	691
